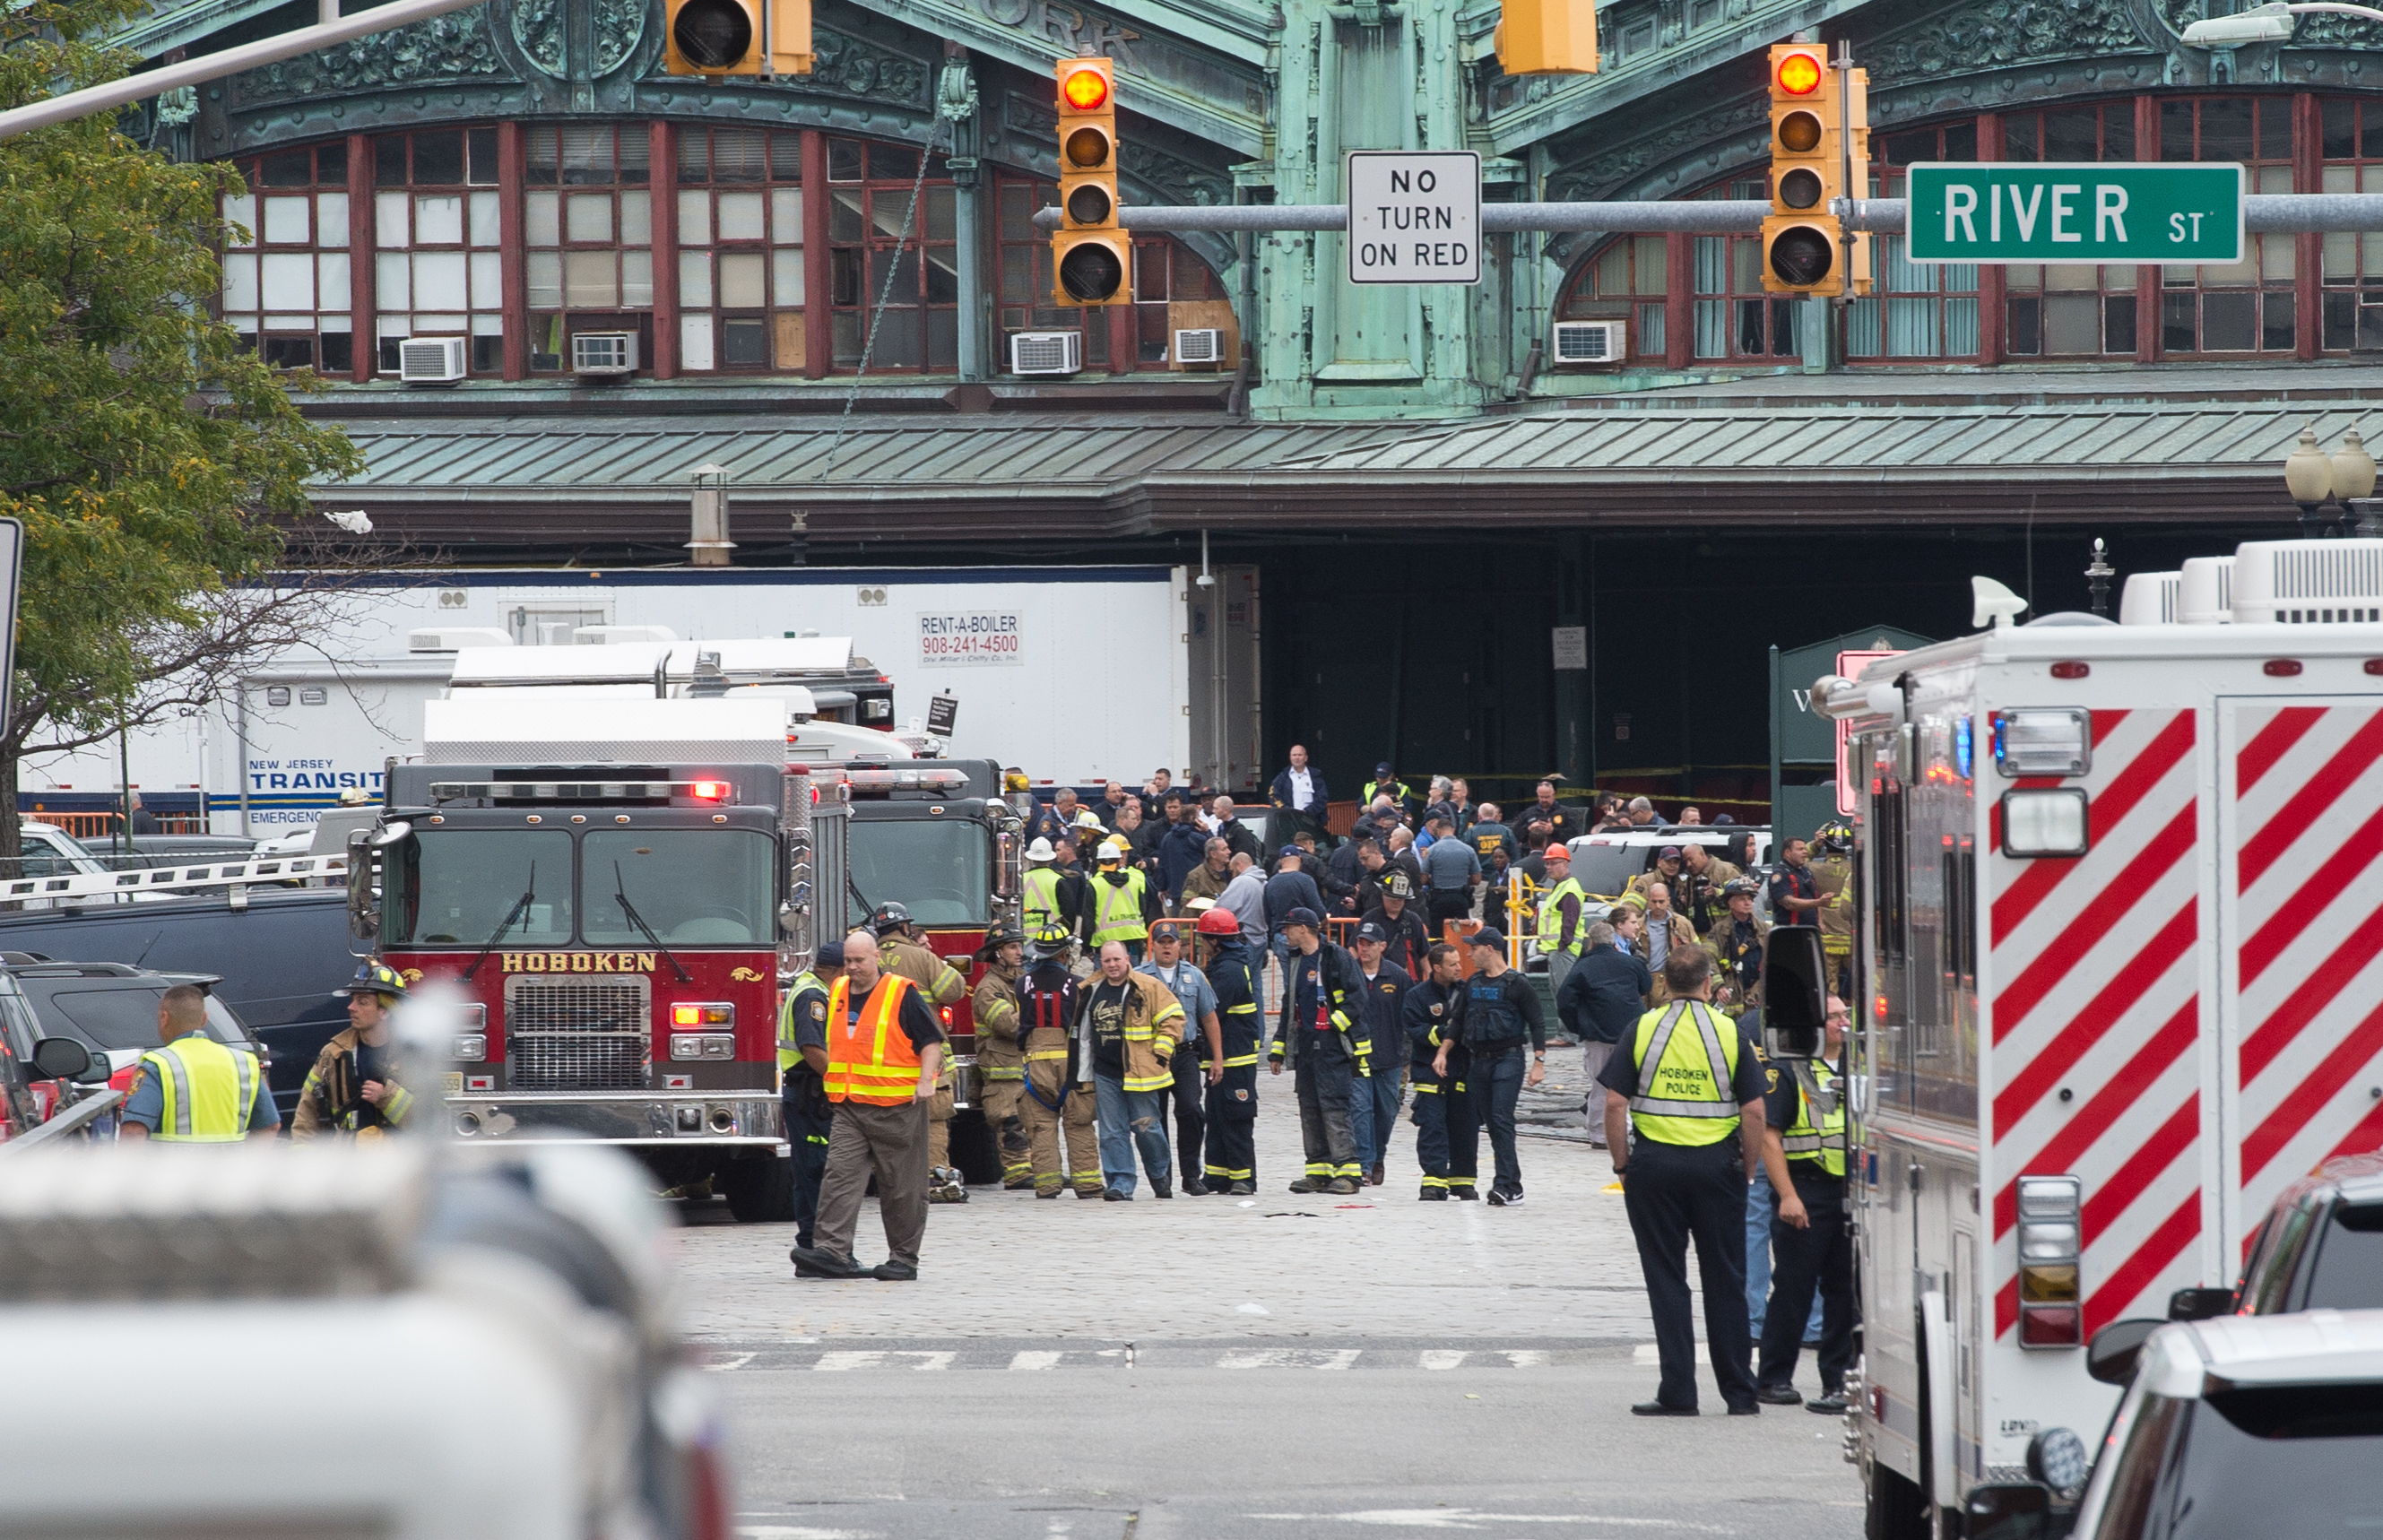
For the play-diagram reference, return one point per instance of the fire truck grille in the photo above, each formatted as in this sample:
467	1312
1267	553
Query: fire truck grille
576	1034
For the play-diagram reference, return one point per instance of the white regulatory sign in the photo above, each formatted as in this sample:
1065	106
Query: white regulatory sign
1413	216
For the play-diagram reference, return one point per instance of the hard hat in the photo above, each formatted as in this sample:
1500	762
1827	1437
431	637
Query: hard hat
1218	922
1111	849
888	916
1089	820
354	797
1040	850
376	979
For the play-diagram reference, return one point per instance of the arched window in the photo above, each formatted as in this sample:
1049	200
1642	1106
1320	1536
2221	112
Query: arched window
588	225
1626	280
869	189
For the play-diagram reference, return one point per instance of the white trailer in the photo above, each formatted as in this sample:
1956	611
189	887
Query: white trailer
1027	654
2119	890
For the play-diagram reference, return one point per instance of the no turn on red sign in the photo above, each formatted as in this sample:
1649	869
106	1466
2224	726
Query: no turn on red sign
1414	216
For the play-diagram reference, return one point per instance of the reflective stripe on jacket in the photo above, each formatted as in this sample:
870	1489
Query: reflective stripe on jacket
1551	920
208	1090
872	1060
1824	1143
789	1055
1684	1096
1042	898
1117	908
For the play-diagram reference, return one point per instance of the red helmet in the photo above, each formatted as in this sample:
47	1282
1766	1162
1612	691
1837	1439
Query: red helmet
1218	922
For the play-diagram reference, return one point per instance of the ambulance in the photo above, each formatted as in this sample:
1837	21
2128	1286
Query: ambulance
2120	885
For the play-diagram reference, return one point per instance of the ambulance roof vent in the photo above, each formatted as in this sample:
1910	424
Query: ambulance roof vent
2206	594
2149	599
2307	582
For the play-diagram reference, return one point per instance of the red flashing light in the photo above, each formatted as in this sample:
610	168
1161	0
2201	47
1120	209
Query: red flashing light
1800	74
710	791
1088	90
2280	668
948	1016
687	1015
2070	669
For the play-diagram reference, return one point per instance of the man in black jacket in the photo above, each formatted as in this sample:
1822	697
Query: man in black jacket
1317	1037
1601	998
1447	1142
1299	792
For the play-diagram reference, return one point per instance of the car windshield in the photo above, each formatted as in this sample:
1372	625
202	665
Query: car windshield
2237	1461
2349	1271
456	886
1606	870
693	887
934	868
125	1016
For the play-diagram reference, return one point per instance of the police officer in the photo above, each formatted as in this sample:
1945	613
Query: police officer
353	1086
1000	1057
1805	1117
1446	1141
1500	1015
1234	972
942	986
1317	1038
1055	1108
1386	782
1690	1082
194	1089
802	1071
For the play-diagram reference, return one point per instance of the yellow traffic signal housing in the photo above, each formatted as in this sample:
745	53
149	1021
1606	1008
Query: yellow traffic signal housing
1801	250
1546	37
737	37
1091	256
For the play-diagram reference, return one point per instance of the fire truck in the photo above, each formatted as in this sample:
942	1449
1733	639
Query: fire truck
2118	891
617	891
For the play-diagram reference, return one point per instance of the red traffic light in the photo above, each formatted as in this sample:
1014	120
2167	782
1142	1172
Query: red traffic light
1085	90
1800	74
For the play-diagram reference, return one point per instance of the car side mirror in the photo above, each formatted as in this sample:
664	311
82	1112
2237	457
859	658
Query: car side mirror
2110	1358
2200	1304
1795	990
61	1059
2008	1510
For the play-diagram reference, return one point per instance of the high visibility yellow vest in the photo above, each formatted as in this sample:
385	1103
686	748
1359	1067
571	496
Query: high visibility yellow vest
1117	908
208	1090
805	982
871	1060
1551	920
1042	898
1687	1054
1816	1089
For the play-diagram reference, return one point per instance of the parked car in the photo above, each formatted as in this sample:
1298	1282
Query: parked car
2319	1248
111	1009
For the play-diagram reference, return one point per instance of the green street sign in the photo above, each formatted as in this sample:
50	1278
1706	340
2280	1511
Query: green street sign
2075	212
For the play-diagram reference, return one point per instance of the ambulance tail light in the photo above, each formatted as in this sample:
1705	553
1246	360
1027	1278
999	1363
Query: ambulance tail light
2051	1301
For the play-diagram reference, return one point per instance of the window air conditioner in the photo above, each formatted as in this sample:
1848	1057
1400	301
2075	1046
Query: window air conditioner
604	353
1046	353
1200	345
1590	341
430	359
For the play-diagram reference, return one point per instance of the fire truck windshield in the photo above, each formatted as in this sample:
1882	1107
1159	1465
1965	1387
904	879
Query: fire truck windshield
454	887
695	887
938	868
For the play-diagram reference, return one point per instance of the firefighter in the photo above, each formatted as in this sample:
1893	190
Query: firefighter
802	1078
1000	1060
1054	1107
194	1089
943	987
1684	1118
1381	1044
1501	1015
1832	874
1803	1121
1406	938
1235	970
1054	894
1447	1142
1193	1064
1119	903
352	1088
1316	1038
1736	941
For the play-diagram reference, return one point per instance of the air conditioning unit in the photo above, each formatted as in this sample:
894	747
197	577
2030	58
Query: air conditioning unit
430	359
1591	341
1046	353
2149	599
2308	582
604	353
1200	345
2206	594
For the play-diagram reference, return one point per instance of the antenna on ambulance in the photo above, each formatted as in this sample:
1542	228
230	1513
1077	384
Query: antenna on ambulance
1993	603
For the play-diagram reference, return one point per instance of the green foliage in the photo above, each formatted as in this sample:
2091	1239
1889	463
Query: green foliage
148	453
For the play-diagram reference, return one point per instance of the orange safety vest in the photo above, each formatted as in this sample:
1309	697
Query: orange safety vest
871	1060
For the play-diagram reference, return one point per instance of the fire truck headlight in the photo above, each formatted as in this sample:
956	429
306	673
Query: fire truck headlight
472	1047
703	1046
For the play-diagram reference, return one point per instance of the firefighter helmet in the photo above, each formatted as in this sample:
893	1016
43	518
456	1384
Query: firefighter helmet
1218	922
376	979
889	916
1834	838
1049	941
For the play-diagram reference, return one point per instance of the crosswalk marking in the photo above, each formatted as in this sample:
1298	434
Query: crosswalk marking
1440	1358
1151	1356
1035	1361
1525	1358
726	1362
1290	1358
846	1360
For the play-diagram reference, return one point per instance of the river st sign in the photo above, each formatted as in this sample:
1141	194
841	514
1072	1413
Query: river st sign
2080	212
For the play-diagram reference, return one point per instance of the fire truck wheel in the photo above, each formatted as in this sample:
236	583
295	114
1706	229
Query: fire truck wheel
1896	1508
760	1190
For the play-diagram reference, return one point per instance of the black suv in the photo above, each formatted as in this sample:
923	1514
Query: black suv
111	1005
2320	1248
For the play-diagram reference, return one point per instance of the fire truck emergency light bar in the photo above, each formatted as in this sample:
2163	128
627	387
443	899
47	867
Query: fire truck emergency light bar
876	782
283	869
578	791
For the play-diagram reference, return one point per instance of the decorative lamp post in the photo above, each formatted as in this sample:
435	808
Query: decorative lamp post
2308	480
707	528
2353	482
2097	578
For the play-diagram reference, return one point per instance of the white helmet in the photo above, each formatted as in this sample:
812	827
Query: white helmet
1041	851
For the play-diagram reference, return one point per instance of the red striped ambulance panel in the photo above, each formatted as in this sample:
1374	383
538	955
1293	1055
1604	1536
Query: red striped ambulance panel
2308	847
2096	991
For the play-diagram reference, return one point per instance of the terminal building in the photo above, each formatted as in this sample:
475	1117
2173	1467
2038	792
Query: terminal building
1620	433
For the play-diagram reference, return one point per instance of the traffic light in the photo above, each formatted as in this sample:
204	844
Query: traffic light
1546	37
1092	257
1801	250
737	37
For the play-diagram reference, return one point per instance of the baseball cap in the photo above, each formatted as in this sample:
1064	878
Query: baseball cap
1491	937
1303	917
1290	850
1373	932
1382	769
1669	853
831	954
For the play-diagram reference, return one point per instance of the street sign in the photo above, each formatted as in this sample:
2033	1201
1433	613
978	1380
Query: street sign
1414	216
2080	212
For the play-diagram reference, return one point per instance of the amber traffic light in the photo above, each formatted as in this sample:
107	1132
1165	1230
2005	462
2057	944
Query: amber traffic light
737	37
1801	250
1090	254
1546	37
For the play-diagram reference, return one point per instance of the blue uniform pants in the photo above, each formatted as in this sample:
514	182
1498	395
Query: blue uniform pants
806	1138
1762	1204
1496	1084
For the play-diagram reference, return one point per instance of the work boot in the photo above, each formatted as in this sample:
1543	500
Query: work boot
1431	1194
1375	1178
895	1271
1017	1184
1832	1404
826	1264
1342	1186
1466	1194
1778	1394
1046	1192
1241	1189
1194	1186
1308	1184
1161	1189
1111	1195
1092	1193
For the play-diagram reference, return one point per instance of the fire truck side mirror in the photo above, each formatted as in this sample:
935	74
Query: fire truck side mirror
366	848
1795	991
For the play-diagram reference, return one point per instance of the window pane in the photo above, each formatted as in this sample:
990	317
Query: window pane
2274	128
694	154
545	277
331	281
487	219
2229	323
2118	323
786	157
2276	333
786	216
1016	212
1650	330
2072	324
1745	266
695	279
2118	131
1960	141
289	169
338	352
742	277
587	157
2370	134
330	219
240	283
942	340
902	264
591	280
1651	274
844	335
844	276
843	160
1862	339
1961	329
736	155
695	342
289	281
289	353
389	161
786	276
487	351
2071	135
437	157
898	340
637	278
2176	131
542	155
740	217
588	216
2019	137
943	277
390	232
488	280
392	282
438	221
843	215
2338	128
2274	256
695	218
331	163
483	158
2340	320
939	213
542	219
637	152
285	220
744	344
240	211
892	163
2226	129
637	218
2023	337
2176	334
1018	274
438	282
